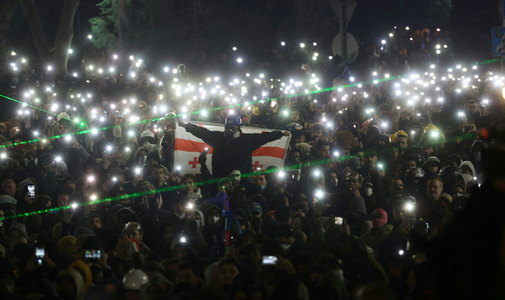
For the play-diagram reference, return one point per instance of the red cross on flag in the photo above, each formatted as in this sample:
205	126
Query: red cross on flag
188	148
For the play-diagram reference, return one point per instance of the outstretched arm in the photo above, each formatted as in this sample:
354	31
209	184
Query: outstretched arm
257	140
199	132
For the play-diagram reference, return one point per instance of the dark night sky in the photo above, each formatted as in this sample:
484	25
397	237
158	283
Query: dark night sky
470	26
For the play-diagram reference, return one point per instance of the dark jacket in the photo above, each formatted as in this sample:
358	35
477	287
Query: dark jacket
234	154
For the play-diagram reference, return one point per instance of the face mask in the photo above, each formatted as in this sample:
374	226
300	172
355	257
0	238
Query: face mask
369	191
216	219
142	159
263	187
231	134
105	103
285	246
198	222
236	176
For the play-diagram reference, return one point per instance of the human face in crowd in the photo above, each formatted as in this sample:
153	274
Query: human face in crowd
69	186
409	165
352	184
9	187
133	232
94	222
227	273
295	156
260	180
300	139
187	276
324	152
427	151
117	159
370	161
7	144
433	168
285	239
434	189
317	133
295	116
396	186
62	200
146	185
125	200
444	205
472	107
168	234
158	174
402	142
189	185
179	209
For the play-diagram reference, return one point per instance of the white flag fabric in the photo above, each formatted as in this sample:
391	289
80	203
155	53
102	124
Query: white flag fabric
188	148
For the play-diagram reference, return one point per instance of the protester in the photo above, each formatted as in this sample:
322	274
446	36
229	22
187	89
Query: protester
365	199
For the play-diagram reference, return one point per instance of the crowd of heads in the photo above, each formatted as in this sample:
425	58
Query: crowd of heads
94	205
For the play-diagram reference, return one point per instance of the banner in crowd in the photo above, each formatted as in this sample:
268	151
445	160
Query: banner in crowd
188	148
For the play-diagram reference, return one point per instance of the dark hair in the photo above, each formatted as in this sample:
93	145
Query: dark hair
318	127
188	265
190	176
320	143
342	117
436	178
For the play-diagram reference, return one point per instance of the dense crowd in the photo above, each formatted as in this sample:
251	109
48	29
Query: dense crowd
376	175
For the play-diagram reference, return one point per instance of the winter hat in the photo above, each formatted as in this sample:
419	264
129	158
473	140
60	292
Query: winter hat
379	222
147	133
21	227
468	164
358	204
83	230
66	245
83	268
255	207
24	183
6	199
446	197
353	163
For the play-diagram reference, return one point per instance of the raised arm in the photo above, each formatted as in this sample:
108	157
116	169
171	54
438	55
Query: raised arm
259	139
199	132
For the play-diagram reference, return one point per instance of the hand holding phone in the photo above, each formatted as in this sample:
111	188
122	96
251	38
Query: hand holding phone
40	252
31	191
270	260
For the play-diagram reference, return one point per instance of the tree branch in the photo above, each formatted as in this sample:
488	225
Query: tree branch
39	37
6	11
64	36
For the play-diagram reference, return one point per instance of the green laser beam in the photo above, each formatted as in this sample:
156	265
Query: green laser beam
222	107
205	182
172	188
32	106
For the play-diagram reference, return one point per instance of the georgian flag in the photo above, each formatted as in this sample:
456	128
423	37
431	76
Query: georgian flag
188	148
